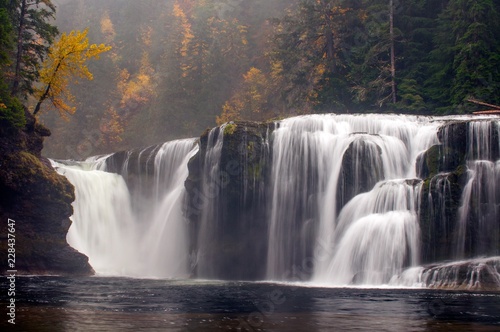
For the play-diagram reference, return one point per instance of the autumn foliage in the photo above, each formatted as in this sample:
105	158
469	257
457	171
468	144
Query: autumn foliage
67	60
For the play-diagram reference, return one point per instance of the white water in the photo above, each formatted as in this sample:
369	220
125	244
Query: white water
307	161
464	274
101	230
482	186
124	242
376	237
370	237
212	186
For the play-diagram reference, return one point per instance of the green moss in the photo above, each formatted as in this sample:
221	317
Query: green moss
251	147
230	129
25	172
255	171
433	157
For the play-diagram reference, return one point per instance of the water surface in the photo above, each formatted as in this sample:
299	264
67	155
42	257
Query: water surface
124	304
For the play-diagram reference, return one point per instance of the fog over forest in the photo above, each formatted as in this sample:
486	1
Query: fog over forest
178	67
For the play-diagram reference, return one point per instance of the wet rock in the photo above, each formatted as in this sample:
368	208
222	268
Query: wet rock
362	168
39	200
237	199
476	274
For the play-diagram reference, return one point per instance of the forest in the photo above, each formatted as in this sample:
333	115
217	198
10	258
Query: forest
177	67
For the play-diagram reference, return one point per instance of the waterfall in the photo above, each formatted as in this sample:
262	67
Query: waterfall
151	241
212	187
480	203
376	237
332	199
103	227
318	161
482	187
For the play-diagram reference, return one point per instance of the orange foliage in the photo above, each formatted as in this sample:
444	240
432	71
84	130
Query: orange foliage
107	28
186	28
250	101
111	128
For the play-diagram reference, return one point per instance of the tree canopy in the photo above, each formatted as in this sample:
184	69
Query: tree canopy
67	59
33	25
179	66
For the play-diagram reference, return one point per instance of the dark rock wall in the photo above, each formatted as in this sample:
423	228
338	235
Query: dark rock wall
241	231
361	170
445	170
239	235
39	200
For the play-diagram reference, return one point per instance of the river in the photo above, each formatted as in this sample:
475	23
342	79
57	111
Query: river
127	304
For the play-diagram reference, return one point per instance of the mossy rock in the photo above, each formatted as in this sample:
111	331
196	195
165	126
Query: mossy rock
39	200
240	227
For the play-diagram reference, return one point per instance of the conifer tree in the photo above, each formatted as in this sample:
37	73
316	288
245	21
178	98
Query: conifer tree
34	34
11	110
466	58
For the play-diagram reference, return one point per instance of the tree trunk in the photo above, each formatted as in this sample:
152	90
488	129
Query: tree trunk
19	55
47	90
329	36
482	103
41	100
393	56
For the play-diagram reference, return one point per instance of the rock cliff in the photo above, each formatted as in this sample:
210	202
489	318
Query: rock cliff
39	201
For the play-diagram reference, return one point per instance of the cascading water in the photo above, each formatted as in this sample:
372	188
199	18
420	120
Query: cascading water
103	226
346	195
227	179
474	230
121	240
315	162
376	237
484	177
212	187
332	199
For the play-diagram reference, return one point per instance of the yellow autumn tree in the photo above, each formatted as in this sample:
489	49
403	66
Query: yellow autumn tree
66	61
249	101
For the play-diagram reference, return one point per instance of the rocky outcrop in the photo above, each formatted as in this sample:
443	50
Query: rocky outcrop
361	169
137	167
238	235
462	159
478	274
39	200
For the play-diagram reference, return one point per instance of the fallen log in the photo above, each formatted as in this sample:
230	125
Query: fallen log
474	101
490	112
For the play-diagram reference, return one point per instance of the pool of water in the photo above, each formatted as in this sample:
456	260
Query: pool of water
123	304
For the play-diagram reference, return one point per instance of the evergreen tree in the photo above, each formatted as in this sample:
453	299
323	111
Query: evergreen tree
466	57
416	20
310	54
11	110
374	68
34	34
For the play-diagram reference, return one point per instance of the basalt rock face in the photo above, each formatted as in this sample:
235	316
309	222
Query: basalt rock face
38	201
226	203
361	170
137	167
460	195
